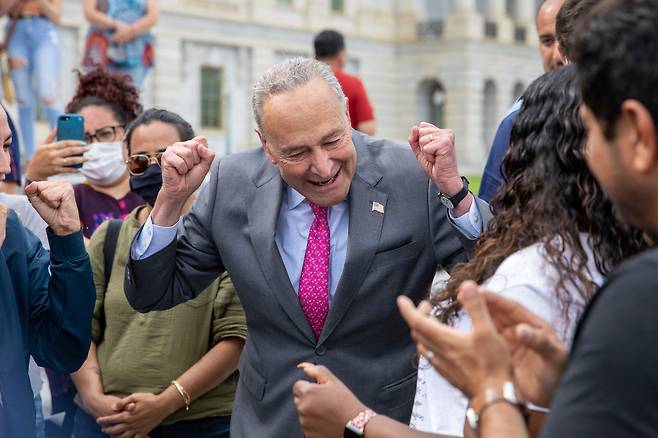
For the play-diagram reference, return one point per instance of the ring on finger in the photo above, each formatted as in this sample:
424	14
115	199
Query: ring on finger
431	138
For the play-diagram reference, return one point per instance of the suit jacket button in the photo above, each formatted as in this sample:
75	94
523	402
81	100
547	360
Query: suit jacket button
320	350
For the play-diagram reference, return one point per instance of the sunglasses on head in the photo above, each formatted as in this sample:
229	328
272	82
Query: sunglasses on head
138	163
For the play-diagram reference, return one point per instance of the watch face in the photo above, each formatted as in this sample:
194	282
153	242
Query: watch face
446	202
352	432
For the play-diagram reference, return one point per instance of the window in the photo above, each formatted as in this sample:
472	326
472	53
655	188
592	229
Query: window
432	102
212	107
489	106
337	6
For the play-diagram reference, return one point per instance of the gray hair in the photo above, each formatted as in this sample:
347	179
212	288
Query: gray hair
287	76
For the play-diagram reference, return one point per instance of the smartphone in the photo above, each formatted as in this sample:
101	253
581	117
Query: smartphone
71	127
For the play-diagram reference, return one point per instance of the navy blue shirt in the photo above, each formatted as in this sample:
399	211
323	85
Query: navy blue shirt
43	314
492	178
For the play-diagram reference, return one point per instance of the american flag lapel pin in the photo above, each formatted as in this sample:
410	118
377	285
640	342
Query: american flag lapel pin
376	206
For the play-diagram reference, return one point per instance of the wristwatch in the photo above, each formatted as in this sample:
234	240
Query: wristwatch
506	394
355	427
452	201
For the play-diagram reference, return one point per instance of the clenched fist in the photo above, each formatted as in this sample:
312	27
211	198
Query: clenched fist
55	203
184	166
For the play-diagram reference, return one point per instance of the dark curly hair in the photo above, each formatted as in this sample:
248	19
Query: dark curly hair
549	197
114	91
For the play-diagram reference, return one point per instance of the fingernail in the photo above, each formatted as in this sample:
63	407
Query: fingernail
304	365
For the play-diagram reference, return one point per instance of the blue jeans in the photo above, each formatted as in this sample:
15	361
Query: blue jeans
35	43
85	426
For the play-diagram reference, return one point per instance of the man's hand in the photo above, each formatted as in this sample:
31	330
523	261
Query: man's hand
55	157
325	407
135	415
434	149
184	166
470	361
55	203
538	354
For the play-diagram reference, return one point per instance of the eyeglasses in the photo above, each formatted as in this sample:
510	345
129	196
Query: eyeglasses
102	135
138	163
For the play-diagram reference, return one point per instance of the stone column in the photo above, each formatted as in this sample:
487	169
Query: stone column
525	17
498	14
464	22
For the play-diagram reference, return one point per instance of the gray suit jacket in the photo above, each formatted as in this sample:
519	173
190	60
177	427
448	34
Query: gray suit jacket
364	342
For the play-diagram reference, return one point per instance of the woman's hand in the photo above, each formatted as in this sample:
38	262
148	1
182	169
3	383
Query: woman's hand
137	414
325	407
123	32
471	361
53	158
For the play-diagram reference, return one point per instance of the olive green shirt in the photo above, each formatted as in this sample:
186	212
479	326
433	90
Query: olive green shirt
144	352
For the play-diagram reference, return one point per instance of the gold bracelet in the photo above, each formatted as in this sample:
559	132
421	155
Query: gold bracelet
186	397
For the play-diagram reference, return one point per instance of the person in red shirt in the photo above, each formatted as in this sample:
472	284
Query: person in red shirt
330	49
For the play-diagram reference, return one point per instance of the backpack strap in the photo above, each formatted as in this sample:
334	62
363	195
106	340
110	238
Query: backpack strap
110	246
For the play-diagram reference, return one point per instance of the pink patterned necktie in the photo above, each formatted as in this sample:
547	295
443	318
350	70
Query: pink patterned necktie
314	281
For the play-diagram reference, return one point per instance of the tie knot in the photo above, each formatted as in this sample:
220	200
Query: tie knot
320	212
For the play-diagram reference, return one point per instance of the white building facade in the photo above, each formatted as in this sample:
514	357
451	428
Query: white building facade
456	63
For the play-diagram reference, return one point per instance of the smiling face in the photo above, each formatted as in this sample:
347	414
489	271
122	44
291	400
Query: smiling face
307	133
5	137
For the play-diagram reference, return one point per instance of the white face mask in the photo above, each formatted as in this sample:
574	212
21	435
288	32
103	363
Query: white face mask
105	165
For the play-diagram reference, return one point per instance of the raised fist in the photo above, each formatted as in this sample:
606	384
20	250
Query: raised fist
184	166
55	203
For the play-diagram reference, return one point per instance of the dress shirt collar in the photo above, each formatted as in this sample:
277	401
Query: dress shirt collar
295	199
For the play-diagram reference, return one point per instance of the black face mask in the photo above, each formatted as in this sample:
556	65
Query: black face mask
147	185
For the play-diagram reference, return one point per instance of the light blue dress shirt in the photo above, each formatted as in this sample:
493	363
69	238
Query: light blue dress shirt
293	225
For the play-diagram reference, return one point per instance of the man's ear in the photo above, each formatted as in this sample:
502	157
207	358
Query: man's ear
266	146
637	131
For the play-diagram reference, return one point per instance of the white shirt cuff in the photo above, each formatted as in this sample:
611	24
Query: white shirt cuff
151	239
470	223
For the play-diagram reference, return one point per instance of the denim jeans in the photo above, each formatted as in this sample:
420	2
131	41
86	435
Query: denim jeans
35	42
85	426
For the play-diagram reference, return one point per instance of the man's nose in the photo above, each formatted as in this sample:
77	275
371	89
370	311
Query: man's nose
321	164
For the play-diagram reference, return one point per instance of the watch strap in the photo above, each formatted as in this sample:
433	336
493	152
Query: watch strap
459	196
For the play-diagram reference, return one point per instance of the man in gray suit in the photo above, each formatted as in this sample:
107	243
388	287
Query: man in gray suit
321	230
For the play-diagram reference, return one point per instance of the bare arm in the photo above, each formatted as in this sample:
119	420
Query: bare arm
52	9
96	17
211	370
87	380
368	127
6	5
149	20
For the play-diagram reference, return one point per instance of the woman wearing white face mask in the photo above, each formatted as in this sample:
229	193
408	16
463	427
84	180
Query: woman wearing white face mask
108	103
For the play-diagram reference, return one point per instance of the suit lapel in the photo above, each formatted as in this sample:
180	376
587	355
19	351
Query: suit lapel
263	213
365	227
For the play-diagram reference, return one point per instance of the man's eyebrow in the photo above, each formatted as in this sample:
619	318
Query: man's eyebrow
331	134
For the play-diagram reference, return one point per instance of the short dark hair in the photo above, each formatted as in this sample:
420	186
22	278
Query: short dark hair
328	43
570	15
185	130
616	55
